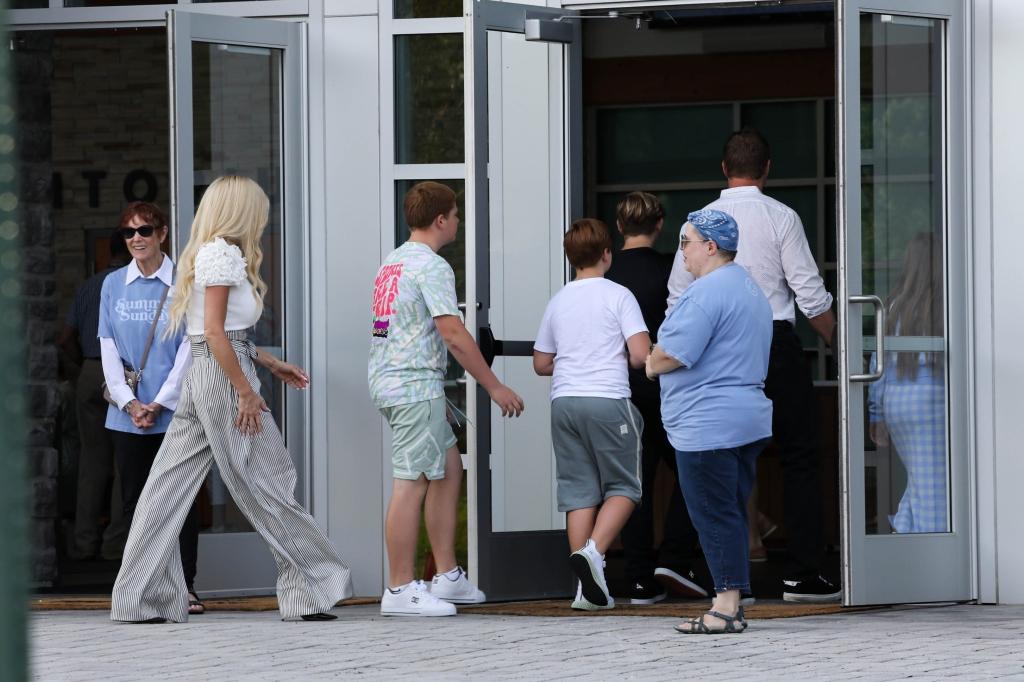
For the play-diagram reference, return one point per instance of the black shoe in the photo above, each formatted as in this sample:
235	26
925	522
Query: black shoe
642	591
319	616
680	582
816	590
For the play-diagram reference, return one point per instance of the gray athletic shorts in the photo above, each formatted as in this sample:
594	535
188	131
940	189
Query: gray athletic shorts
597	450
421	435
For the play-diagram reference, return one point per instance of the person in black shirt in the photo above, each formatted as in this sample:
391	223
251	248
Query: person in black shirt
645	272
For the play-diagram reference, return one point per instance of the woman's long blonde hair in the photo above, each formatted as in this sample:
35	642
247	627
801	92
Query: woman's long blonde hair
235	209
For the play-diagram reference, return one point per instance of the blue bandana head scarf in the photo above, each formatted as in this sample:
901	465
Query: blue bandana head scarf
716	226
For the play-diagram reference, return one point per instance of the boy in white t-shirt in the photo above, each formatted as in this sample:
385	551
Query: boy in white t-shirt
591	330
416	322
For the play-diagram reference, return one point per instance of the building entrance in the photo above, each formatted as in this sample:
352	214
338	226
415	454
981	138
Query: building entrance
871	160
660	98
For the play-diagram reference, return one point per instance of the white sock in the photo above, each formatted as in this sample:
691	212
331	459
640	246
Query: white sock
398	590
453	574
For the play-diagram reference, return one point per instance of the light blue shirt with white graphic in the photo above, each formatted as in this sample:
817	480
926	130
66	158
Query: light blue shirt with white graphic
128	302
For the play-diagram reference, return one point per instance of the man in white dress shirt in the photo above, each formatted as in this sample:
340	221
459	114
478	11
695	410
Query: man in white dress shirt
774	249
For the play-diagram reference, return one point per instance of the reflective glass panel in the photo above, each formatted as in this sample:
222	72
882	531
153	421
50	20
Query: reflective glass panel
427	9
455	254
791	129
236	122
662	144
902	243
429	99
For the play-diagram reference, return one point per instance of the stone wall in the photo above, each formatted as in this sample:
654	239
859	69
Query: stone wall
110	140
93	135
33	62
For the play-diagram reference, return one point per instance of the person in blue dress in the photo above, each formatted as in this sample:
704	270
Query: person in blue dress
712	357
130	299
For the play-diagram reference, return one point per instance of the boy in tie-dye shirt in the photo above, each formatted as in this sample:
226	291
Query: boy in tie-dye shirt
415	316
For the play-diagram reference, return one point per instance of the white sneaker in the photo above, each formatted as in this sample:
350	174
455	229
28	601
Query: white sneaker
414	600
581	603
458	590
588	565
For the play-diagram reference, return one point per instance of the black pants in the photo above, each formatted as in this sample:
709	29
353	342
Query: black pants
679	543
795	430
134	454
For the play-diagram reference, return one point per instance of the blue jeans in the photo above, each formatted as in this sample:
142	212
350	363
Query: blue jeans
716	485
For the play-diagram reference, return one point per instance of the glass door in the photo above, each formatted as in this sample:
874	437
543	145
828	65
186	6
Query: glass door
236	109
525	168
904	400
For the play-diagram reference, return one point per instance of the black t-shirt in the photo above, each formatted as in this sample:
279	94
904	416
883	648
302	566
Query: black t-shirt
644	272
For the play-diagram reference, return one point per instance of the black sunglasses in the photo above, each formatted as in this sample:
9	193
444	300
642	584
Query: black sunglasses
143	230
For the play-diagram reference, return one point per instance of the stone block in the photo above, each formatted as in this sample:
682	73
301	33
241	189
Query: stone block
34	285
43	504
43	462
39	261
43	400
42	362
42	309
40	435
43	543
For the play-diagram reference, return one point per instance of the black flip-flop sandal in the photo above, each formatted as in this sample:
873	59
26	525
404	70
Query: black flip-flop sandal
699	627
194	603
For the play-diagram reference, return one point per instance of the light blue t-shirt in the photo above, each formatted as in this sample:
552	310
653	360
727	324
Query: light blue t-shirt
721	330
126	312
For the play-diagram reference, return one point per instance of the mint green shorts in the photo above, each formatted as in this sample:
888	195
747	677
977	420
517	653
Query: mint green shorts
421	435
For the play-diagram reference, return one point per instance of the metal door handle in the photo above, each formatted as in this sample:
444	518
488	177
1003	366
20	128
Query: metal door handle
879	339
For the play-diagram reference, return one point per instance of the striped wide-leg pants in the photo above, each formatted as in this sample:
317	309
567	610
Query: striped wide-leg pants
261	478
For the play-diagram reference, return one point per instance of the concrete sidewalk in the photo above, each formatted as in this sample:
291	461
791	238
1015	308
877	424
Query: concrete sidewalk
968	642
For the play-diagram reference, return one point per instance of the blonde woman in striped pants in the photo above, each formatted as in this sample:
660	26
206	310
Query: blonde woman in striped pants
222	418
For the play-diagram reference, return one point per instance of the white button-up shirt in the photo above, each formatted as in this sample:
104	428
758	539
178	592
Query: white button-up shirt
773	248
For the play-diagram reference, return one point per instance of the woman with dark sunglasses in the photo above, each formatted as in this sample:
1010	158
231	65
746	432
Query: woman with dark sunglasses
137	419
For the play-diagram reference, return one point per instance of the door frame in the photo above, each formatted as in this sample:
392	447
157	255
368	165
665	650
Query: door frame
220	571
508	565
873	565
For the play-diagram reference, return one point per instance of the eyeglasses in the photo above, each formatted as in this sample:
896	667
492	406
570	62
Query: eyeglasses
684	241
143	230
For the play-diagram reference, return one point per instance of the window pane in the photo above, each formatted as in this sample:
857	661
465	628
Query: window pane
646	144
429	99
423	9
455	254
902	244
791	130
236	123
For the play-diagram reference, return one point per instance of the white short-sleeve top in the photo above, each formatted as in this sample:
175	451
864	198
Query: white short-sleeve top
219	263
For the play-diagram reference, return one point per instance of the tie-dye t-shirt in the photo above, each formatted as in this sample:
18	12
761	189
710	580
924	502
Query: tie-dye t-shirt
407	355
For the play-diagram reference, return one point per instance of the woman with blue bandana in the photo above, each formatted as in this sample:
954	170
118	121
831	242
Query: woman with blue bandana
712	356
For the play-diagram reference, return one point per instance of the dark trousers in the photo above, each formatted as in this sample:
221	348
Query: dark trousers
716	485
97	491
135	454
680	537
795	430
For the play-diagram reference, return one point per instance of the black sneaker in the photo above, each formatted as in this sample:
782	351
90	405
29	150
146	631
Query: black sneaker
816	590
642	591
680	582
